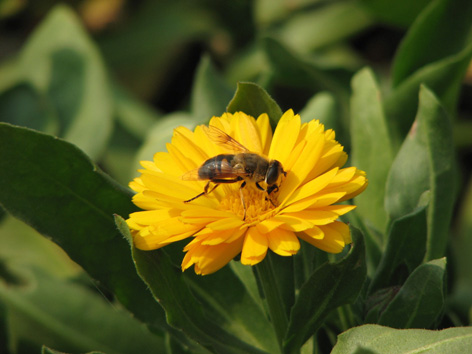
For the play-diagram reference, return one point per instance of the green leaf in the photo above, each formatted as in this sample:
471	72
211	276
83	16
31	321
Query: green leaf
402	14
275	276
322	106
441	30
210	94
443	77
405	250
312	29
227	303
61	62
461	243
425	163
56	189
21	102
294	70
329	287
379	339
156	41
160	134
133	114
20	244
70	317
170	287
252	99
372	147
420	300
46	350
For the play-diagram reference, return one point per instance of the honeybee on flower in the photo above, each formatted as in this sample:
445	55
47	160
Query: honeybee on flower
275	189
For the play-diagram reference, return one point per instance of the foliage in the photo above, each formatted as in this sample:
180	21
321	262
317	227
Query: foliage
93	90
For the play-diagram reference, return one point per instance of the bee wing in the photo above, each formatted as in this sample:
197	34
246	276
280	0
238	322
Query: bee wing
191	175
220	137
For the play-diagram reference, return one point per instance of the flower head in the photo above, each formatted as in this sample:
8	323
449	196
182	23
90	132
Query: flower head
242	216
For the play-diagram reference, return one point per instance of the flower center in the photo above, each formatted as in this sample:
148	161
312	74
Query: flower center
258	205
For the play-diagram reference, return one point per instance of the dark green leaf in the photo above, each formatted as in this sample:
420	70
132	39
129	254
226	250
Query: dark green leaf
63	64
379	339
228	304
441	30
155	42
252	99
210	94
23	105
420	300
402	14
56	189
329	287
425	163
293	70
275	276
71	318
170	287
405	250
372	147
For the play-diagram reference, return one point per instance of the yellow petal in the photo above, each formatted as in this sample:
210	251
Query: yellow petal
285	137
283	242
301	169
254	247
313	216
265	130
226	223
246	132
332	242
208	259
312	187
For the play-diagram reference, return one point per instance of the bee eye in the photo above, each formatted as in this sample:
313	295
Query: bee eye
273	172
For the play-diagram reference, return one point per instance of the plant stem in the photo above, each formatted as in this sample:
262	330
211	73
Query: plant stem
275	301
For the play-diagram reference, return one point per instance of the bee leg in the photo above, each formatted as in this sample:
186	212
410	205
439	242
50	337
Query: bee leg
205	191
270	190
242	198
259	187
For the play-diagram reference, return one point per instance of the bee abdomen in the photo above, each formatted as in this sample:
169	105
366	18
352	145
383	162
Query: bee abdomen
216	167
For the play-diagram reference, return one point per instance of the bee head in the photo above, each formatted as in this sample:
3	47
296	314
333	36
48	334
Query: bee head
273	172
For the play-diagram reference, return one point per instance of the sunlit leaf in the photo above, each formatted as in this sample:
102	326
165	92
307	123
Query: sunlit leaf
425	164
71	318
65	66
379	339
372	147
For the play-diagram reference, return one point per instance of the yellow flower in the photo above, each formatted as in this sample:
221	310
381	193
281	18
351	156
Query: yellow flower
218	223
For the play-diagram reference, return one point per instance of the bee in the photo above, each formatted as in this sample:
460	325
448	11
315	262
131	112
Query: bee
243	166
